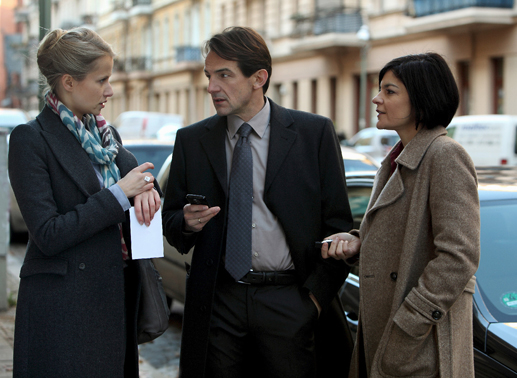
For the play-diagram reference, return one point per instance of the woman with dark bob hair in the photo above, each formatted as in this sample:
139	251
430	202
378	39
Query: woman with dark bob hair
418	245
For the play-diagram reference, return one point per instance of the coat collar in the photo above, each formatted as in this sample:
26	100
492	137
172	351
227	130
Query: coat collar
280	142
69	152
414	152
386	189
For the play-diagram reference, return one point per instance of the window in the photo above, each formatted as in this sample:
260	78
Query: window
295	95
195	35
464	87
333	98
166	31
314	93
156	40
498	94
176	32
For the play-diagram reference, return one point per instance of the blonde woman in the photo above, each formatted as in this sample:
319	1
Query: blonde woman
73	180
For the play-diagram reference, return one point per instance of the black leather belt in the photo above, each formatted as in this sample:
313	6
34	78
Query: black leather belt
286	277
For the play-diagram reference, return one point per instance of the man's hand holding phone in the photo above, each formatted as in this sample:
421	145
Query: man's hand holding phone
198	212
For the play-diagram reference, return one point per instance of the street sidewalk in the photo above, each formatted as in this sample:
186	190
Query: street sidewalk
6	342
7	320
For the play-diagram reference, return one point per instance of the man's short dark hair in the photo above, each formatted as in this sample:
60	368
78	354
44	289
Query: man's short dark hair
431	87
244	46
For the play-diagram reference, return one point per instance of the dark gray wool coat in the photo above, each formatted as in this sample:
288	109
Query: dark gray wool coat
70	317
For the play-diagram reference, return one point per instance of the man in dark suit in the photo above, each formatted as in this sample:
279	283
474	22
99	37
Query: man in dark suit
262	320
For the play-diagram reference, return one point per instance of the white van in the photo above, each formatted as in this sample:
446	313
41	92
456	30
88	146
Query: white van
145	125
489	139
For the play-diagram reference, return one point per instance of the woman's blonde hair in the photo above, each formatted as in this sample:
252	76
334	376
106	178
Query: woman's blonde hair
73	52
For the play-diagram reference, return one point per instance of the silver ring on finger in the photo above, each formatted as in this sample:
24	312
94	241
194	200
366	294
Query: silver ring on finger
199	220
147	179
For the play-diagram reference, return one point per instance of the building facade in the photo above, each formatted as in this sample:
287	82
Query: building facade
326	53
321	62
10	58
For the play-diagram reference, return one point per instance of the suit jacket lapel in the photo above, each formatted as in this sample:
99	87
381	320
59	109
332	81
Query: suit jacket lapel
280	142
214	144
68	152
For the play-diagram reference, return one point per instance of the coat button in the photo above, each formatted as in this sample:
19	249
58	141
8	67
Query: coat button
82	266
437	315
393	276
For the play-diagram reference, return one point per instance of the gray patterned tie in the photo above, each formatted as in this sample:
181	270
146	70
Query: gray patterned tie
238	236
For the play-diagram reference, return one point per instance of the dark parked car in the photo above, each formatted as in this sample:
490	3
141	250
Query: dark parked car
495	299
373	141
150	150
356	162
9	119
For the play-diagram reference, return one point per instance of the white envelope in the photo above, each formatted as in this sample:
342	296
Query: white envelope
146	242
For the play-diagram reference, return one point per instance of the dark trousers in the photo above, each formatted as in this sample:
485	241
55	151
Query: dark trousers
265	331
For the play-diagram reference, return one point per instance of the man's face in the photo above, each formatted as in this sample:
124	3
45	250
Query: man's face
231	91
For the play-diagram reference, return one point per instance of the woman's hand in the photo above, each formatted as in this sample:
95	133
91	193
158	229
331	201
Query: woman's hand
343	246
137	180
146	205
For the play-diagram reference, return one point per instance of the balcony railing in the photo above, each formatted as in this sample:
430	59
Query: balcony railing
428	7
188	54
323	21
141	63
119	65
338	23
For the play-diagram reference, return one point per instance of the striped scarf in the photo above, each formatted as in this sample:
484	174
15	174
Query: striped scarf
97	142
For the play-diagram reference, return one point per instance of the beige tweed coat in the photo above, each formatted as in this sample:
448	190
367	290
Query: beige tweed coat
419	252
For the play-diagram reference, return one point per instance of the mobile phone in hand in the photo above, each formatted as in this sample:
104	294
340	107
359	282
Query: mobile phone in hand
197	199
319	244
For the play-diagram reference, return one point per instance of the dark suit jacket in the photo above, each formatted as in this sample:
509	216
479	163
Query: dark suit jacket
304	187
70	311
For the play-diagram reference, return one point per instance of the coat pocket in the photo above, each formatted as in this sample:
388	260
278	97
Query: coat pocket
44	266
411	349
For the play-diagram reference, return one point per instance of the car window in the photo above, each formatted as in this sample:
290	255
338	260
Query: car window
10	119
352	165
358	197
363	142
515	144
496	272
389	140
450	131
155	154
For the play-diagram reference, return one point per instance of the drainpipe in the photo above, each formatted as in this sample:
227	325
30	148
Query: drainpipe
4	218
44	28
